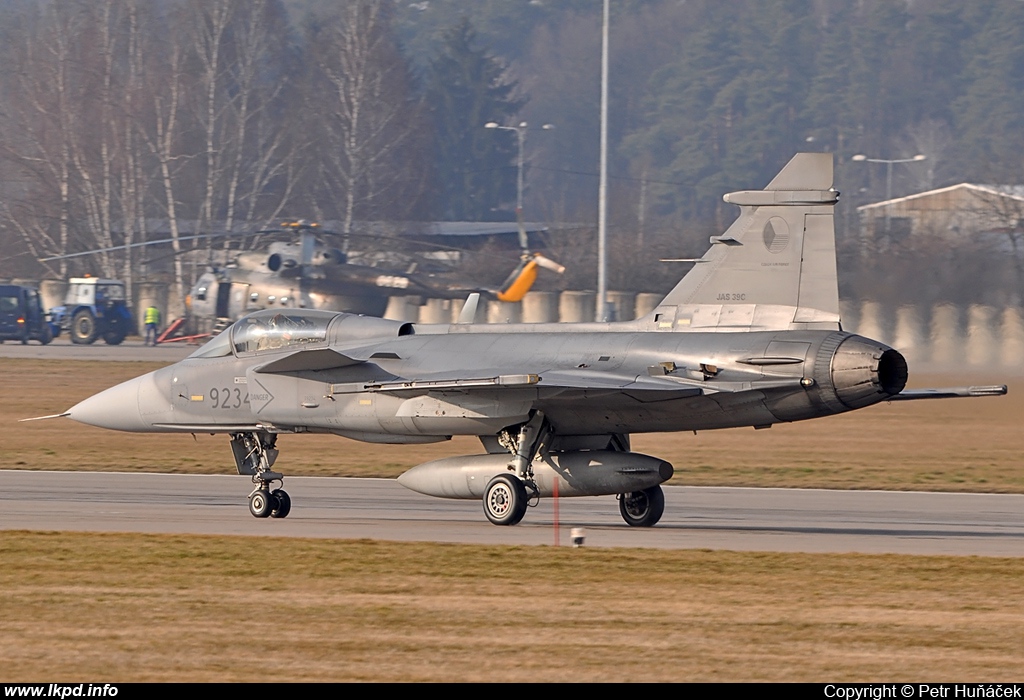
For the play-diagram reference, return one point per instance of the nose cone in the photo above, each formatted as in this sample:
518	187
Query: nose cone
117	408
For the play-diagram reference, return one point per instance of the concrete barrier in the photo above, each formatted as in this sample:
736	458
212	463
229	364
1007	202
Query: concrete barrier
623	305
946	335
646	302
504	312
872	322
540	307
909	335
576	307
175	303
1011	349
150	294
403	309
436	311
981	338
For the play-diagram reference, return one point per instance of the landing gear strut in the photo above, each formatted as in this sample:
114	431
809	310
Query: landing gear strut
254	455
507	496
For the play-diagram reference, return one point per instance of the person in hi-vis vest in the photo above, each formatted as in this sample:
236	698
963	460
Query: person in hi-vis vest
152	323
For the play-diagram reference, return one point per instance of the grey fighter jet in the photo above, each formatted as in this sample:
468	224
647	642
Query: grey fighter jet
750	336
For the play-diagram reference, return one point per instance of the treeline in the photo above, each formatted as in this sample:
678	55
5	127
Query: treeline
709	95
220	112
188	116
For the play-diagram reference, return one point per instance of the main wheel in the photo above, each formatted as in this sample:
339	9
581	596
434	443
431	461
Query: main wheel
505	500
261	503
282	504
642	508
83	328
46	336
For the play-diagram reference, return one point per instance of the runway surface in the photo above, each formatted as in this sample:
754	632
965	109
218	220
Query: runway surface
131	350
695	517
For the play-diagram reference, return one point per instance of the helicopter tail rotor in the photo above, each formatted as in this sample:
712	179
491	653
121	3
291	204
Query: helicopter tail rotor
522	278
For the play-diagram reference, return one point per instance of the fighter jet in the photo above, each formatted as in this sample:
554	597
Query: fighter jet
750	336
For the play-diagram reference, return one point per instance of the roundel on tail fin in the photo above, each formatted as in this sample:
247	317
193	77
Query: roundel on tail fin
776	234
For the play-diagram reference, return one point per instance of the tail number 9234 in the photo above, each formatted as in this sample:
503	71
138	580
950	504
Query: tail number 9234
228	398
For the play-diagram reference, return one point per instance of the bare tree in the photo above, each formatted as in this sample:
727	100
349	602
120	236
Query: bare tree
255	163
158	126
370	157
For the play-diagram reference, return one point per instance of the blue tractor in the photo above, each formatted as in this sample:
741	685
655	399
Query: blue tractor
94	308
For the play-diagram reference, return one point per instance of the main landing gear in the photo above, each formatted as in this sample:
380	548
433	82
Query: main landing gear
264	503
642	508
254	455
507	496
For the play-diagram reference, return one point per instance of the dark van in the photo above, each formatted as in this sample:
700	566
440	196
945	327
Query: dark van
22	316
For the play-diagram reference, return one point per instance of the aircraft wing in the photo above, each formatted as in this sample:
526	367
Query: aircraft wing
949	393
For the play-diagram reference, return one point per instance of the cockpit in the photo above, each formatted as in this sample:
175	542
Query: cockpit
270	330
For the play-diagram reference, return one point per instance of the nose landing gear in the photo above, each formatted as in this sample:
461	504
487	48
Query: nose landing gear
254	455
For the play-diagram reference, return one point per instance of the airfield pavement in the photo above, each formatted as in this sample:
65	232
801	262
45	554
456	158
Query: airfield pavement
782	520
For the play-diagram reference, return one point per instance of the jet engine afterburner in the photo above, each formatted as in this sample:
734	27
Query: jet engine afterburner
852	372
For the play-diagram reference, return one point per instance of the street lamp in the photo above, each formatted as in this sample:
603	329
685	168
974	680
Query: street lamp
521	135
860	158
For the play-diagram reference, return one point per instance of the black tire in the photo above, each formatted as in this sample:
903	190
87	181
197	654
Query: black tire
642	508
261	504
283	504
113	337
84	329
46	336
505	500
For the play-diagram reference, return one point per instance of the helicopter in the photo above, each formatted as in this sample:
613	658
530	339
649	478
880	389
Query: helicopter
310	274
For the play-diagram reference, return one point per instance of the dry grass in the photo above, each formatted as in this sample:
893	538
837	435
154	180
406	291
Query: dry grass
960	444
168	608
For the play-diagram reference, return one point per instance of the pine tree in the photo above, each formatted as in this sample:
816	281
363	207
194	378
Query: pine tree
467	88
990	114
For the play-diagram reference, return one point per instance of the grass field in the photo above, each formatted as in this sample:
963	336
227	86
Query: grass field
124	608
958	444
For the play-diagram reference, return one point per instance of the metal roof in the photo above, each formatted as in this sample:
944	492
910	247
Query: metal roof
1015	192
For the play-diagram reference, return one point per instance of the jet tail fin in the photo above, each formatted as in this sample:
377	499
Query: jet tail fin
774	268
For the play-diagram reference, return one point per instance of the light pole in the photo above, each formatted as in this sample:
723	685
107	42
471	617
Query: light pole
521	136
602	186
860	158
